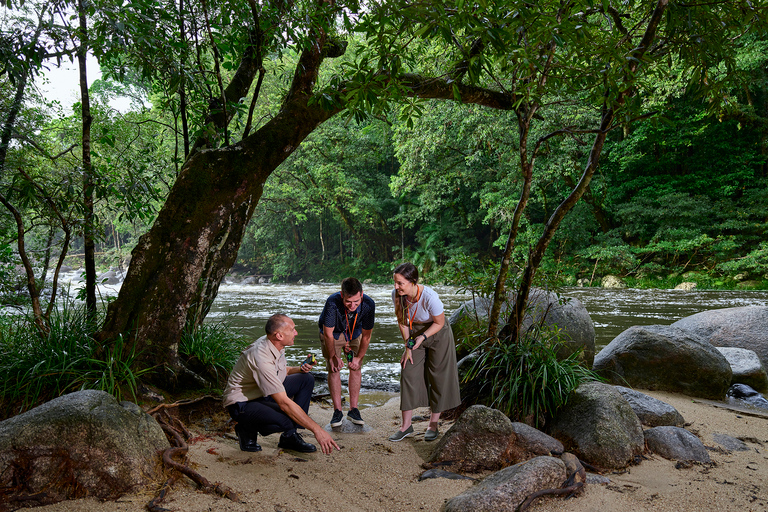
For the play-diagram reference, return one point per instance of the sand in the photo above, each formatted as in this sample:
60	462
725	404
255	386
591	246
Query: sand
371	473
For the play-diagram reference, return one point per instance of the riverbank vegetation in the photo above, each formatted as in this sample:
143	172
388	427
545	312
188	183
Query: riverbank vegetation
678	198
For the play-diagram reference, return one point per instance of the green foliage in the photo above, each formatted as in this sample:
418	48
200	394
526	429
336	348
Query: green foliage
212	349
39	368
754	263
525	380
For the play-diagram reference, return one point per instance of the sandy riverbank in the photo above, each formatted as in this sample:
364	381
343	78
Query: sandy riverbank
372	474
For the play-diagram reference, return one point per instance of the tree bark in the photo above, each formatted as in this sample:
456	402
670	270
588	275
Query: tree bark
89	244
176	267
512	330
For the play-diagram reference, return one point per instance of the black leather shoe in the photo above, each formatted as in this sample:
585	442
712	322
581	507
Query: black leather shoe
247	443
296	443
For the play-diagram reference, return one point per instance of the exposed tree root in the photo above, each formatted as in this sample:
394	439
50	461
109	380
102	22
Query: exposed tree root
573	485
563	490
173	428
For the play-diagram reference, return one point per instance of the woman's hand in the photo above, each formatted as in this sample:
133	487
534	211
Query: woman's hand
421	338
407	356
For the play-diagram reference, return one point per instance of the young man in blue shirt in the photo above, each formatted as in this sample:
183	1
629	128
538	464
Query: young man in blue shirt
346	324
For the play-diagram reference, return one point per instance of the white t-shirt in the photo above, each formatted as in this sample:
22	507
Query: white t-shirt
428	306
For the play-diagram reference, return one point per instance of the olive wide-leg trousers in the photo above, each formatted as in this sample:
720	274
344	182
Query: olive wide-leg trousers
433	378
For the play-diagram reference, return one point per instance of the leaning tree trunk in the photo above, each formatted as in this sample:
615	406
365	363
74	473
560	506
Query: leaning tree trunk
176	267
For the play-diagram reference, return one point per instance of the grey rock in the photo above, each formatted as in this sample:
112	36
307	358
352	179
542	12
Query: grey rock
746	367
730	443
596	479
441	473
506	489
612	282
743	327
83	443
651	411
675	443
485	439
661	357
686	286
535	441
741	394
599	426
110	277
567	313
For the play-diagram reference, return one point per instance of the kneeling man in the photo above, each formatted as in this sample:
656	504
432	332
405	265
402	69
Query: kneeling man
265	395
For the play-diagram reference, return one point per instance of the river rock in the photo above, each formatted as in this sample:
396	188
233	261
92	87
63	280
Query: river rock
506	489
599	425
485	439
746	367
686	286
111	277
651	411
567	313
676	444
730	443
610	281
741	394
742	327
441	473
661	357
80	444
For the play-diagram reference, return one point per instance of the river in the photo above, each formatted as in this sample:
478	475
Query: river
612	311
246	307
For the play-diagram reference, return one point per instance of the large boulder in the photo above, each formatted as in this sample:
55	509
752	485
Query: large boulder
567	313
80	444
746	367
742	327
505	490
485	439
661	357
651	411
599	426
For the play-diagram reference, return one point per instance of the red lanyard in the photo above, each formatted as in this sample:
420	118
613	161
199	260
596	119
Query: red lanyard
408	310
354	322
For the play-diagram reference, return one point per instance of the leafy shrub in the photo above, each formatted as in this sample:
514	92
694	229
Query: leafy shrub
38	368
212	349
524	379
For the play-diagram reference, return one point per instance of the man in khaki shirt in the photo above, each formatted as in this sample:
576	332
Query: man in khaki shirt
265	396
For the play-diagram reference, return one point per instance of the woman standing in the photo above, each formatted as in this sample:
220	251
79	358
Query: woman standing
429	375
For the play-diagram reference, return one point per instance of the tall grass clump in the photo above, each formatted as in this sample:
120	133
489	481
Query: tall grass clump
38	367
212	349
525	379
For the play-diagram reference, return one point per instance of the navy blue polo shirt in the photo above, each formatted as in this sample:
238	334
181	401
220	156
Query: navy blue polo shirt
334	313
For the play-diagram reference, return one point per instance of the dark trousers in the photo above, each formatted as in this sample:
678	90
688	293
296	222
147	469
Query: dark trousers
265	417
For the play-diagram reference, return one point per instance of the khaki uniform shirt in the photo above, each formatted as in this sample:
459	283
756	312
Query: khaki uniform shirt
260	371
